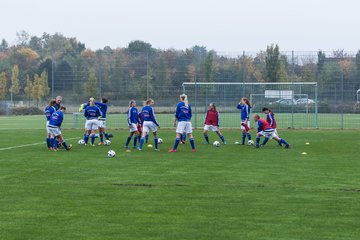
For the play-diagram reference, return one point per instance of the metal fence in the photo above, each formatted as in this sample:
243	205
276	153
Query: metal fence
328	80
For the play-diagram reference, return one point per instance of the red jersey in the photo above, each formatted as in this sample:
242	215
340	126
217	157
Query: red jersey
270	118
212	118
263	125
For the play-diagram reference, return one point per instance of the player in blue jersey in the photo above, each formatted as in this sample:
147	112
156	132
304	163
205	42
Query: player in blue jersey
182	121
149	123
264	129
102	120
133	121
49	110
54	125
245	106
92	114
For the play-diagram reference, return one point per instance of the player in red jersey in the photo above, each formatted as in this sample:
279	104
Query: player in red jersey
212	121
264	129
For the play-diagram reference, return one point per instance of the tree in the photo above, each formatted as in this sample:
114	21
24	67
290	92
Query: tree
272	62
209	67
37	89
3	89
139	47
4	45
91	86
28	88
45	83
15	85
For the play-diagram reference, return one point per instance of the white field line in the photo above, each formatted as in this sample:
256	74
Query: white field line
28	145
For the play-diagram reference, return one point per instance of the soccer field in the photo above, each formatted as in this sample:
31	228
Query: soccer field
230	192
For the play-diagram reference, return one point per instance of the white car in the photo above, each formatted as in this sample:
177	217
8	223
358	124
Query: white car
305	101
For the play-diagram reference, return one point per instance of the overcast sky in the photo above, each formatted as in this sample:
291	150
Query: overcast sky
221	25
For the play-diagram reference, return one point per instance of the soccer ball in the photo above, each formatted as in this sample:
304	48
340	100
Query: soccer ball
160	141
81	142
250	142
111	153
107	142
216	144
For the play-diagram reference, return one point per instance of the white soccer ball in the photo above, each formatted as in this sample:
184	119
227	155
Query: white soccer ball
81	142
160	141
107	142
111	153
250	142
216	144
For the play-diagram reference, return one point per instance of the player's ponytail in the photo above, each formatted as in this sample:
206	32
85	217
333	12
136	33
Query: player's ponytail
51	103
184	99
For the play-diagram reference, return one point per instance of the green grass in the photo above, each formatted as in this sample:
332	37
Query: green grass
228	120
230	192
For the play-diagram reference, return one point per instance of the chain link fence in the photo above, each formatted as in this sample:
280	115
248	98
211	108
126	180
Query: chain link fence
324	86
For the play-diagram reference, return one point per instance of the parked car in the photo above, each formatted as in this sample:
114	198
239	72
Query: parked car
305	101
284	101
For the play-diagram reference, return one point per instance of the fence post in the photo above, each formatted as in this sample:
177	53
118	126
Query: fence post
342	98
316	106
292	86
195	103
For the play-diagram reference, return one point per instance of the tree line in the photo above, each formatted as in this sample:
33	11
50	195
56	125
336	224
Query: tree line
35	67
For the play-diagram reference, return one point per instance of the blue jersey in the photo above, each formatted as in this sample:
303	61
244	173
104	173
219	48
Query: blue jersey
49	111
183	113
101	106
133	115
92	112
147	114
56	119
245	111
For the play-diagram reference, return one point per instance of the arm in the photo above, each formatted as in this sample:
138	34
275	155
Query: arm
129	116
190	112
152	115
239	106
206	114
218	120
271	119
259	126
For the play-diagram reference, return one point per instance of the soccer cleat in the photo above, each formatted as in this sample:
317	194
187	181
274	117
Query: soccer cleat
139	149
182	142
101	143
193	150
257	146
156	149
50	148
93	145
206	143
69	147
172	151
111	136
225	142
134	147
55	149
287	146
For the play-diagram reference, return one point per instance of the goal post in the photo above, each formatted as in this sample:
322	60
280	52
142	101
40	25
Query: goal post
295	103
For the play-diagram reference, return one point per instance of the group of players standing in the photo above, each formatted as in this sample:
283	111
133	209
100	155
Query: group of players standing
141	123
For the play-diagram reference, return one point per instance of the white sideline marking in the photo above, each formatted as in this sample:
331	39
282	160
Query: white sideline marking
28	145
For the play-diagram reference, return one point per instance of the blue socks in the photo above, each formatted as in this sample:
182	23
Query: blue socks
156	142
147	138
249	136
135	140
106	136
48	142
127	142
101	137
86	138
257	141
243	138
222	138
55	143
265	141
192	143
284	142
176	144
183	137
206	138
92	139
141	142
